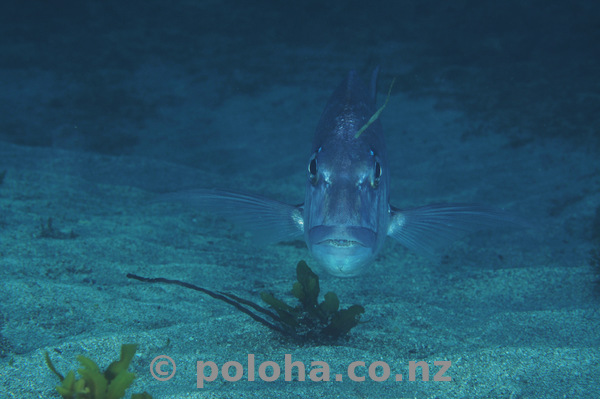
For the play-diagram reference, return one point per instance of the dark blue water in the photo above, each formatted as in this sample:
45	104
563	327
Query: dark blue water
105	104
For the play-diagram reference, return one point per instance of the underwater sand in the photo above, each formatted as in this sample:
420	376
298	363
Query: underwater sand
104	106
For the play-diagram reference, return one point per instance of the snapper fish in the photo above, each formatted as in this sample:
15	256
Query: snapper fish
346	215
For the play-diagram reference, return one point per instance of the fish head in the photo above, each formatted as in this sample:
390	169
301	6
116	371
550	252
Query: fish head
346	208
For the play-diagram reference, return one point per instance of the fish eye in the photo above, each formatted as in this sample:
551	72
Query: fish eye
376	175
312	168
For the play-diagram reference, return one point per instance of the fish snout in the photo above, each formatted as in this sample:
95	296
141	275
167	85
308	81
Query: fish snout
342	250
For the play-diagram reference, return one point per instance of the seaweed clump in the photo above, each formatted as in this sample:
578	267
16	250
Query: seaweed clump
311	320
49	231
94	384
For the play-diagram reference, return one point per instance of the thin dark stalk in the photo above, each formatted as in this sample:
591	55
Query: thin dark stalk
253	305
227	298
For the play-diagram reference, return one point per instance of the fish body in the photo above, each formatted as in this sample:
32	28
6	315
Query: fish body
346	215
346	209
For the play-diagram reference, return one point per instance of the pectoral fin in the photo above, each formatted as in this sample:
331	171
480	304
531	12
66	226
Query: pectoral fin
270	221
429	228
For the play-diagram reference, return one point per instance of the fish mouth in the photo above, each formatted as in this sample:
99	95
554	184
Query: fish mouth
342	237
342	250
341	243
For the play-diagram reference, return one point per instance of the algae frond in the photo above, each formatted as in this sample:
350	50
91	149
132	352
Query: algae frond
310	321
377	113
94	384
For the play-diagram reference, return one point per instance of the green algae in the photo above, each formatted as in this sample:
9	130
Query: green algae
94	384
311	320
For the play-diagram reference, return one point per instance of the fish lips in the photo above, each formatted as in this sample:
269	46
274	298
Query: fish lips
342	237
343	251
